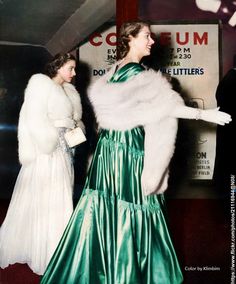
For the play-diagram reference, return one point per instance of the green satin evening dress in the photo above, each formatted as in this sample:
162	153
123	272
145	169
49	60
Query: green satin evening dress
116	235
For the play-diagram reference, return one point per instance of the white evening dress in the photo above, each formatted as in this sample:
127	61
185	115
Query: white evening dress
40	208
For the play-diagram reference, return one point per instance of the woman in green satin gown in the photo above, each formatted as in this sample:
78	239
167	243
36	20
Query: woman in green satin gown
117	234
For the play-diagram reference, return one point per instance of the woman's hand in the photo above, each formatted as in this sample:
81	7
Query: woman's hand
66	122
81	125
214	116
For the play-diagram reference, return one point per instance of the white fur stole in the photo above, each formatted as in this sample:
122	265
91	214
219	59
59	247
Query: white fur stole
45	102
148	100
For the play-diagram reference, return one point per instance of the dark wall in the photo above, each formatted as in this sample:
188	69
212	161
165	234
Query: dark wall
17	64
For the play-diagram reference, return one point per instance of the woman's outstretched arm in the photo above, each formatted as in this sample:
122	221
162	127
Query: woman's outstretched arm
210	115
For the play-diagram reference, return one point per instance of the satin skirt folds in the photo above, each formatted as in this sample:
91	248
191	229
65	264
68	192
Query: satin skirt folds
116	235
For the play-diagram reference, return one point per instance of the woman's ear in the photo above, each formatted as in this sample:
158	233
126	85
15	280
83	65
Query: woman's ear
130	37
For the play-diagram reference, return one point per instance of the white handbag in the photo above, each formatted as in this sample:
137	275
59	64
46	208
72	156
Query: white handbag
75	137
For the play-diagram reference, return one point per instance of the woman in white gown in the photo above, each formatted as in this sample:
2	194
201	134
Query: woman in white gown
41	203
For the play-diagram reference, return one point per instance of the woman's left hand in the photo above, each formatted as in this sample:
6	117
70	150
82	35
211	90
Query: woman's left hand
66	122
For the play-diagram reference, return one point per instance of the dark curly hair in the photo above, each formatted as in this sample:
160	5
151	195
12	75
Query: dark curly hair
56	63
131	28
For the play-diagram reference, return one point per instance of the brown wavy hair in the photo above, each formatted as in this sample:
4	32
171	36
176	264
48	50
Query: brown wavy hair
56	63
131	28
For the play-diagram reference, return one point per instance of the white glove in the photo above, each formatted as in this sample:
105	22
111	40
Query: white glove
66	122
215	116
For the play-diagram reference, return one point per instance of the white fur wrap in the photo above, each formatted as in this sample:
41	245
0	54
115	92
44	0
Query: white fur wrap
46	106
148	100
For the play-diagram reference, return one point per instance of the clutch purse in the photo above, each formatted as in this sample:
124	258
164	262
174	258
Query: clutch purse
75	137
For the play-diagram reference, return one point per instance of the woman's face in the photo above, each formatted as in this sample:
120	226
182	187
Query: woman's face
67	71
142	43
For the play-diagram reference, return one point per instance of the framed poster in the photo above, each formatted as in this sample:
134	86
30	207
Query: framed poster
194	52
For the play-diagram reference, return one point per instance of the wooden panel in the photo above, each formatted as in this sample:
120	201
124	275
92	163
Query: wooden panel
126	10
